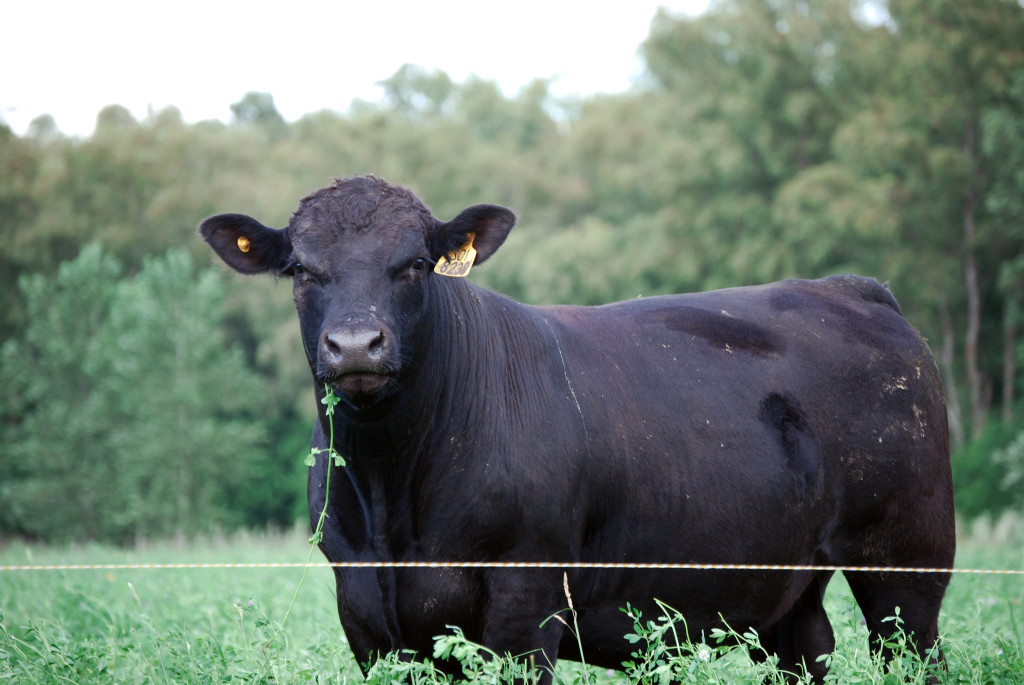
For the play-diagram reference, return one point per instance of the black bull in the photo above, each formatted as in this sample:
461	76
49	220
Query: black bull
800	422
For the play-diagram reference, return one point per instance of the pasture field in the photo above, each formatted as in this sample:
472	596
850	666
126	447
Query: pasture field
224	625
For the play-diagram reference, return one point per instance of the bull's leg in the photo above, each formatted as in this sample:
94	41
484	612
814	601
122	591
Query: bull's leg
918	596
803	634
368	640
517	604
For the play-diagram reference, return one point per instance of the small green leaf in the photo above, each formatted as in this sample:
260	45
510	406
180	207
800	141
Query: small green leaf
310	459
316	538
330	400
339	460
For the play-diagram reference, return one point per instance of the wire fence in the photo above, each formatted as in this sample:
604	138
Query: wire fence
510	565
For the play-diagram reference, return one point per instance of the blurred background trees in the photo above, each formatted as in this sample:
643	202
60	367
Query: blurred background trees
146	392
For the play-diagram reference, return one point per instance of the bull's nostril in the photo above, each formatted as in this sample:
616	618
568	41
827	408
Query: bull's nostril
331	348
377	343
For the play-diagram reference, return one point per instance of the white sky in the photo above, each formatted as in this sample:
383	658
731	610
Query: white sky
72	58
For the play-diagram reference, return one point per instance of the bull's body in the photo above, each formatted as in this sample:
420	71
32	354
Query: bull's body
800	422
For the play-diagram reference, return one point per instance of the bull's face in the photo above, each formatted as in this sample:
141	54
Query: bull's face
361	256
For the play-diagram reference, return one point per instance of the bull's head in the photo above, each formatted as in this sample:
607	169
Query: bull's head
360	253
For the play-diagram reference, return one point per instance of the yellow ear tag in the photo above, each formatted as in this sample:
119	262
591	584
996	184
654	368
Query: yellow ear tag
457	263
243	243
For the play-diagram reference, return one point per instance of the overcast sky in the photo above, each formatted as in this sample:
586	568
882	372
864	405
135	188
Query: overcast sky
70	59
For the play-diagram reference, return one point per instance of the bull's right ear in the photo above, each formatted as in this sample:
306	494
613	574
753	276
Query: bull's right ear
245	244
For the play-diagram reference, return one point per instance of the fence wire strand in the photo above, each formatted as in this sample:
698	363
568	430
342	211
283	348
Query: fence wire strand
510	565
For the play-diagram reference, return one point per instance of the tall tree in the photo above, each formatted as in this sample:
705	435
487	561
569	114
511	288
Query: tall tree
956	60
50	429
20	162
258	109
124	405
1003	145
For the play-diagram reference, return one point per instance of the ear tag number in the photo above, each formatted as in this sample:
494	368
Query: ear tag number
243	243
459	262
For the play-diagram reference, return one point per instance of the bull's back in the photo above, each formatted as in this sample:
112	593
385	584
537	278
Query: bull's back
773	405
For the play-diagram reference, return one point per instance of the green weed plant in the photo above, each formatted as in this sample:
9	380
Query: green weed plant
233	626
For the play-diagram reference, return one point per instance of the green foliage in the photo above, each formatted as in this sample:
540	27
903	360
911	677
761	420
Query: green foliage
988	473
220	625
768	139
257	109
666	653
127	415
480	664
334	460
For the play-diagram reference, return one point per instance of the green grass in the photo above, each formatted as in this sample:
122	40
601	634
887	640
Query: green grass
218	625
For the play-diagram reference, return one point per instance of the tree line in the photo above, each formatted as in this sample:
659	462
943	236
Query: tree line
146	392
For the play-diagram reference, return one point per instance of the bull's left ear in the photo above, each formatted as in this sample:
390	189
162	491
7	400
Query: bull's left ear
245	244
489	223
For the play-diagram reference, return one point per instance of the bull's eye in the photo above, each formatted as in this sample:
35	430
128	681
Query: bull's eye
303	277
410	270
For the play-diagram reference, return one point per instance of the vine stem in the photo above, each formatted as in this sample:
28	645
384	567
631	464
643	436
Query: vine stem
333	459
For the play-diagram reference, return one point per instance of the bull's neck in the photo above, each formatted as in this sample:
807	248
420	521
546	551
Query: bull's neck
461	378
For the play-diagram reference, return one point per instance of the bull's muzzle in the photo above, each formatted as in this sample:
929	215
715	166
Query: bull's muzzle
356	358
